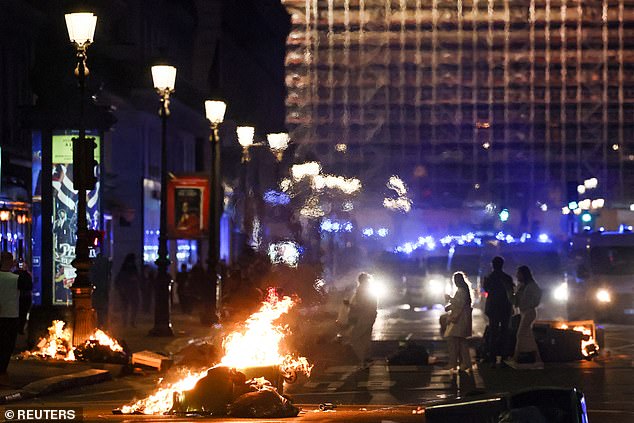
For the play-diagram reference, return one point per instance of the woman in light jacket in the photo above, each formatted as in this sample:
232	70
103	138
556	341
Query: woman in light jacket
459	327
526	298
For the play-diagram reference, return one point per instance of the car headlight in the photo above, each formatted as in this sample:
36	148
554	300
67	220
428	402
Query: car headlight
436	287
603	296
561	293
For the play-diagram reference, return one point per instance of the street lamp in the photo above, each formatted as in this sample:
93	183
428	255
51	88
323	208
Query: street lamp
81	30
164	77
245	139
278	143
215	113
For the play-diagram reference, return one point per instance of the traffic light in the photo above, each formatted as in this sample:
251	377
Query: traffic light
84	163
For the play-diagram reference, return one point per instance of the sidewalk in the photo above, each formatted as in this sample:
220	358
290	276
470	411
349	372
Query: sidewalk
30	378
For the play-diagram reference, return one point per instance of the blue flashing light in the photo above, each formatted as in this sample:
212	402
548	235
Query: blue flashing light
348	227
504	215
382	232
367	232
586	217
276	198
601	229
326	225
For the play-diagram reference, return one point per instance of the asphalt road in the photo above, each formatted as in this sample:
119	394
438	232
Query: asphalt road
393	393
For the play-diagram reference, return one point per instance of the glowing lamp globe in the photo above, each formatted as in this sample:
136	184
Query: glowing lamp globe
215	111
164	77
81	27
245	135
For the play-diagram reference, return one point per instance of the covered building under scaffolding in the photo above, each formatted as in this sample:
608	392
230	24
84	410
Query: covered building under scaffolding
514	102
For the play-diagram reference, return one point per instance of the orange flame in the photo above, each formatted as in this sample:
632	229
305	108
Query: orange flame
258	344
58	343
588	342
162	400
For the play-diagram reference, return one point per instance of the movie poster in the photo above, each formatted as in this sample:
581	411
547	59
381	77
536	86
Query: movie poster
187	205
65	215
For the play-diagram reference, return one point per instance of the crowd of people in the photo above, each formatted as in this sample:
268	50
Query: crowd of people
509	337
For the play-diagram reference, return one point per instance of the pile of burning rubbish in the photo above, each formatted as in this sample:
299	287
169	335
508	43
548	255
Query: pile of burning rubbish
58	345
249	379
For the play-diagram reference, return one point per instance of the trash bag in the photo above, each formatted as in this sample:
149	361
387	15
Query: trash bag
411	354
94	352
266	403
211	394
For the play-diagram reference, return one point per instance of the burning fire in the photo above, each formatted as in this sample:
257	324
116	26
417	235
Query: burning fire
58	344
256	345
588	344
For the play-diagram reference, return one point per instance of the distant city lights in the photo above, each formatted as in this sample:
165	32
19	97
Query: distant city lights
285	252
276	198
328	225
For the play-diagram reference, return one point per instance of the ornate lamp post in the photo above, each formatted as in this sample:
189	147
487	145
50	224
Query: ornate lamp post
81	30
278	144
215	113
245	138
164	77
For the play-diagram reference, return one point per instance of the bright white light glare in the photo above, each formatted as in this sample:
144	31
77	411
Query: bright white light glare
543	238
346	185
632	207
342	148
603	296
278	141
382	232
404	307
245	135
81	27
299	171
591	183
585	204
581	189
397	185
286	252
544	207
436	287
285	185
215	111
398	204
164	77
378	288
598	203
565	210
561	293
368	231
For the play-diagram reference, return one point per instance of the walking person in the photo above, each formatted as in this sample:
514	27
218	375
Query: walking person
526	298
100	273
361	317
183	290
11	289
459	326
25	282
127	286
498	308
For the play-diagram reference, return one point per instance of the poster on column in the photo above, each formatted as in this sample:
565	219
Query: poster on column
188	207
65	214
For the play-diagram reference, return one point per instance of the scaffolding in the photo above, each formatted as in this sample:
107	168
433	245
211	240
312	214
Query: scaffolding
510	101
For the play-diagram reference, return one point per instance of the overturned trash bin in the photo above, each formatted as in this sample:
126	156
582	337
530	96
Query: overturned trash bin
535	405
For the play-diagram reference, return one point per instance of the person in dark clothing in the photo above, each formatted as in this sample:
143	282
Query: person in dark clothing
100	273
12	287
498	308
127	286
25	284
183	290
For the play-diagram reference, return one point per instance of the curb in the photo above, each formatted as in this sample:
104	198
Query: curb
56	384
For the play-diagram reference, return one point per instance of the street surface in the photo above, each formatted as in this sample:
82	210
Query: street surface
393	393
